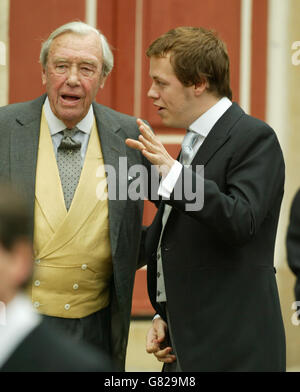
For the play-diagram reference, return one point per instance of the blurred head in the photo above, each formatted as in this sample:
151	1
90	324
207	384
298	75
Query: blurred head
76	60
15	246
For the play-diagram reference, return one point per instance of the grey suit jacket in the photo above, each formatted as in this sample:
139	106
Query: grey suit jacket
19	138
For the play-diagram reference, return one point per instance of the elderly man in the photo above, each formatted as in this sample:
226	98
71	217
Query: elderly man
85	245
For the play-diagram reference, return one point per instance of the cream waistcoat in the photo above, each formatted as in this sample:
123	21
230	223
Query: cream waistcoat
72	250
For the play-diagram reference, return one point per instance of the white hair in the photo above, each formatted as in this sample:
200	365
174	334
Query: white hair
83	29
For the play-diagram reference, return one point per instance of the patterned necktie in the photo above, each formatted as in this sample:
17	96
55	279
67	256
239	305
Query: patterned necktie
69	164
187	145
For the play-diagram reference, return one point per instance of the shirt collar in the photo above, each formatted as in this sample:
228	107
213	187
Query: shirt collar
207	120
56	125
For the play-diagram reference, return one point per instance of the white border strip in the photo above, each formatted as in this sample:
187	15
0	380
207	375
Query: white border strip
245	55
91	12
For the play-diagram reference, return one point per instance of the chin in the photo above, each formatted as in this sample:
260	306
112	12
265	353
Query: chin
170	124
71	117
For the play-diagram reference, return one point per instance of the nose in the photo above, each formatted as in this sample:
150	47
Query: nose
153	93
73	77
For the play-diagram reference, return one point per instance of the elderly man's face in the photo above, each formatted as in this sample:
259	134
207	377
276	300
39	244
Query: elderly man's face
73	75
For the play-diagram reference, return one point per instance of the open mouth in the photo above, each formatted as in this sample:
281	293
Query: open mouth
70	98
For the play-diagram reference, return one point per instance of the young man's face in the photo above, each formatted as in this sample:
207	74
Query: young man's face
175	102
73	75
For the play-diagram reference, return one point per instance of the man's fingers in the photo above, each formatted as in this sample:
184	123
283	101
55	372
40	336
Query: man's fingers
165	355
161	331
137	145
145	130
152	348
151	341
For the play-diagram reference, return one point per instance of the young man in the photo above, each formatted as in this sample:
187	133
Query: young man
27	342
211	277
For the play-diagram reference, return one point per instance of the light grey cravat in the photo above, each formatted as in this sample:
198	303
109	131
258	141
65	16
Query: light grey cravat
69	164
187	145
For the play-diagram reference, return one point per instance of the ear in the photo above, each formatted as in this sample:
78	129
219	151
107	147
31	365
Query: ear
200	87
102	81
44	77
22	262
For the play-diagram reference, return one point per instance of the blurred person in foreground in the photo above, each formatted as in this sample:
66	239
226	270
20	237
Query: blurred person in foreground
210	248
293	246
27	342
86	231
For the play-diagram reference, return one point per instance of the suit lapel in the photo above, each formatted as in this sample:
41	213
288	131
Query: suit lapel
48	190
219	135
113	147
24	149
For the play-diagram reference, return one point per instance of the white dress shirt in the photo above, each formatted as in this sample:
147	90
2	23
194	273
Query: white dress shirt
56	126
20	319
203	125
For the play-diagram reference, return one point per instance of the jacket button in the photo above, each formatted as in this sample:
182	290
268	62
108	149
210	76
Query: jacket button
67	306
84	267
37	283
75	286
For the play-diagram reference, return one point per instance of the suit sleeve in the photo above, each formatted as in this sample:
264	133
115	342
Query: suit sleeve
293	242
254	178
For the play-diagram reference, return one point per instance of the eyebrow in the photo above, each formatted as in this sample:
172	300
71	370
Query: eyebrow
159	78
84	61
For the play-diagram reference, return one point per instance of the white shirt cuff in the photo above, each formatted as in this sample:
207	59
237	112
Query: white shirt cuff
156	316
167	184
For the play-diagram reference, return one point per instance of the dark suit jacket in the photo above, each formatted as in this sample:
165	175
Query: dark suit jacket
218	262
19	138
46	349
293	243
